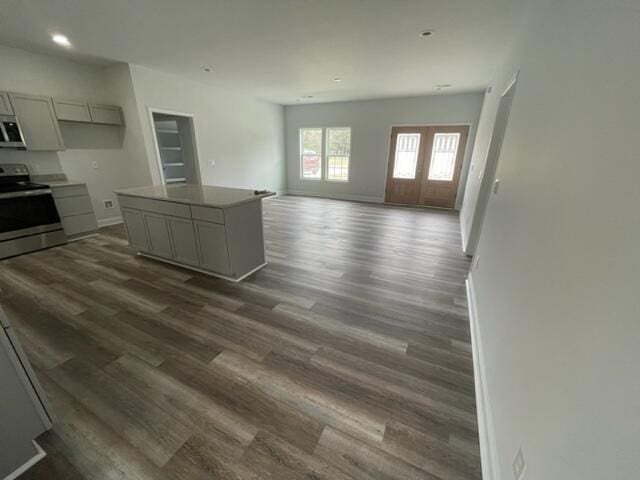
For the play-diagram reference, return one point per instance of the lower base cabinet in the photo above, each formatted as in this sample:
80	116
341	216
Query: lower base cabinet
212	242
158	233
183	241
134	222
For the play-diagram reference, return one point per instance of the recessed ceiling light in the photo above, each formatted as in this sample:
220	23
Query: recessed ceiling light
207	69
337	79
307	96
61	40
426	33
444	85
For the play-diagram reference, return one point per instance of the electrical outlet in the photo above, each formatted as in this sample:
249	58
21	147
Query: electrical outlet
108	204
519	466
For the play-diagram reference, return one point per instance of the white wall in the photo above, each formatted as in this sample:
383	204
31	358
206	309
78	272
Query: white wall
557	280
28	72
242	135
371	122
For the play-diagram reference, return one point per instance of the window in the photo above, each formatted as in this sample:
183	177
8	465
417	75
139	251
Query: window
338	153
311	153
443	156
406	159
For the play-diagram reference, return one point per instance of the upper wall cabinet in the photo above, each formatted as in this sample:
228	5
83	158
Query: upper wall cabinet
72	110
5	104
38	122
79	111
106	114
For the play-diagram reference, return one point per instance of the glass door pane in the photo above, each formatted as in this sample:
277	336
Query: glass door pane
406	155
443	156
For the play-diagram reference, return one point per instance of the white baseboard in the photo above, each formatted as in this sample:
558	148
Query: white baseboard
486	432
28	464
105	222
354	198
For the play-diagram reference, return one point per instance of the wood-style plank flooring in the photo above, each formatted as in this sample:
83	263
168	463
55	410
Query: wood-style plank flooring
347	357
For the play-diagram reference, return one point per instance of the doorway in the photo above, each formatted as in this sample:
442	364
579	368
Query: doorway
487	184
175	145
425	164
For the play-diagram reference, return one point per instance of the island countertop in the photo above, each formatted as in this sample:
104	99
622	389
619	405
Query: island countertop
206	195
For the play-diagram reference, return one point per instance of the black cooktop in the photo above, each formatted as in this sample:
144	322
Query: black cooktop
21	186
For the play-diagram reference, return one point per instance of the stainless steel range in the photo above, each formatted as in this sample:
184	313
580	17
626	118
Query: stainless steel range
28	217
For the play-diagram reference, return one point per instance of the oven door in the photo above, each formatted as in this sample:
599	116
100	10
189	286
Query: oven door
27	213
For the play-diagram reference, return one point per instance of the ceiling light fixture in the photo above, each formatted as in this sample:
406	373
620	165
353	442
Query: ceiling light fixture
426	33
444	85
207	69
61	40
307	96
337	79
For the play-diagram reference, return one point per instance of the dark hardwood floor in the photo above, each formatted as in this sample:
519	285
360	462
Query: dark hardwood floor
347	357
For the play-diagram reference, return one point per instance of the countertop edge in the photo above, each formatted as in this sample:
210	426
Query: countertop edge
190	202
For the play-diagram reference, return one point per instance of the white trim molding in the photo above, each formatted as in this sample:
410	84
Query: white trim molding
486	432
354	198
105	222
40	454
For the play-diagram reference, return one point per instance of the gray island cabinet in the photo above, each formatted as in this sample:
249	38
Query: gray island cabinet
215	230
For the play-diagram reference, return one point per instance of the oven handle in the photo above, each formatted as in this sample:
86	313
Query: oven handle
26	193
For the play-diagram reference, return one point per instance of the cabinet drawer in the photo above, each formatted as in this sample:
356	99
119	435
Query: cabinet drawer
68	206
78	224
69	191
71	110
156	206
207	214
106	114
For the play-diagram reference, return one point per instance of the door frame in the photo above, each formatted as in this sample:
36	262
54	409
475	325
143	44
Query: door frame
446	124
490	170
192	126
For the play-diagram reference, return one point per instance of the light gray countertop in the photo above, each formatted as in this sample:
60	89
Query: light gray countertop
207	195
64	183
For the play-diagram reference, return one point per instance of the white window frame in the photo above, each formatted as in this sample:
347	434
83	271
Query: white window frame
301	158
324	162
326	149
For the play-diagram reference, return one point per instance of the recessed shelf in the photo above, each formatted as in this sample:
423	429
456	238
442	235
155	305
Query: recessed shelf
170	148
176	180
173	164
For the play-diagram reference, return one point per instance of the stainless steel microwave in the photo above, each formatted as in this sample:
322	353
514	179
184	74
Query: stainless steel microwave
10	133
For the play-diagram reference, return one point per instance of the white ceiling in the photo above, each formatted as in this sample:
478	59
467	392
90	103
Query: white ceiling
279	50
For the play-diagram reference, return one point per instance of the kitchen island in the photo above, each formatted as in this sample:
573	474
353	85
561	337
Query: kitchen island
214	230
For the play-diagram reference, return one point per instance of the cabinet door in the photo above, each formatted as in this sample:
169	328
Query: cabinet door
212	246
134	222
38	122
5	104
183	240
72	110
107	114
158	234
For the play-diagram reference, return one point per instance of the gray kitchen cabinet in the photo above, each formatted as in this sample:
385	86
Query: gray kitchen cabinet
75	209
212	246
183	240
106	114
134	223
5	104
158	234
72	110
38	122
25	412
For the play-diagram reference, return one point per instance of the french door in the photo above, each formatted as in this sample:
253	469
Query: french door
425	165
